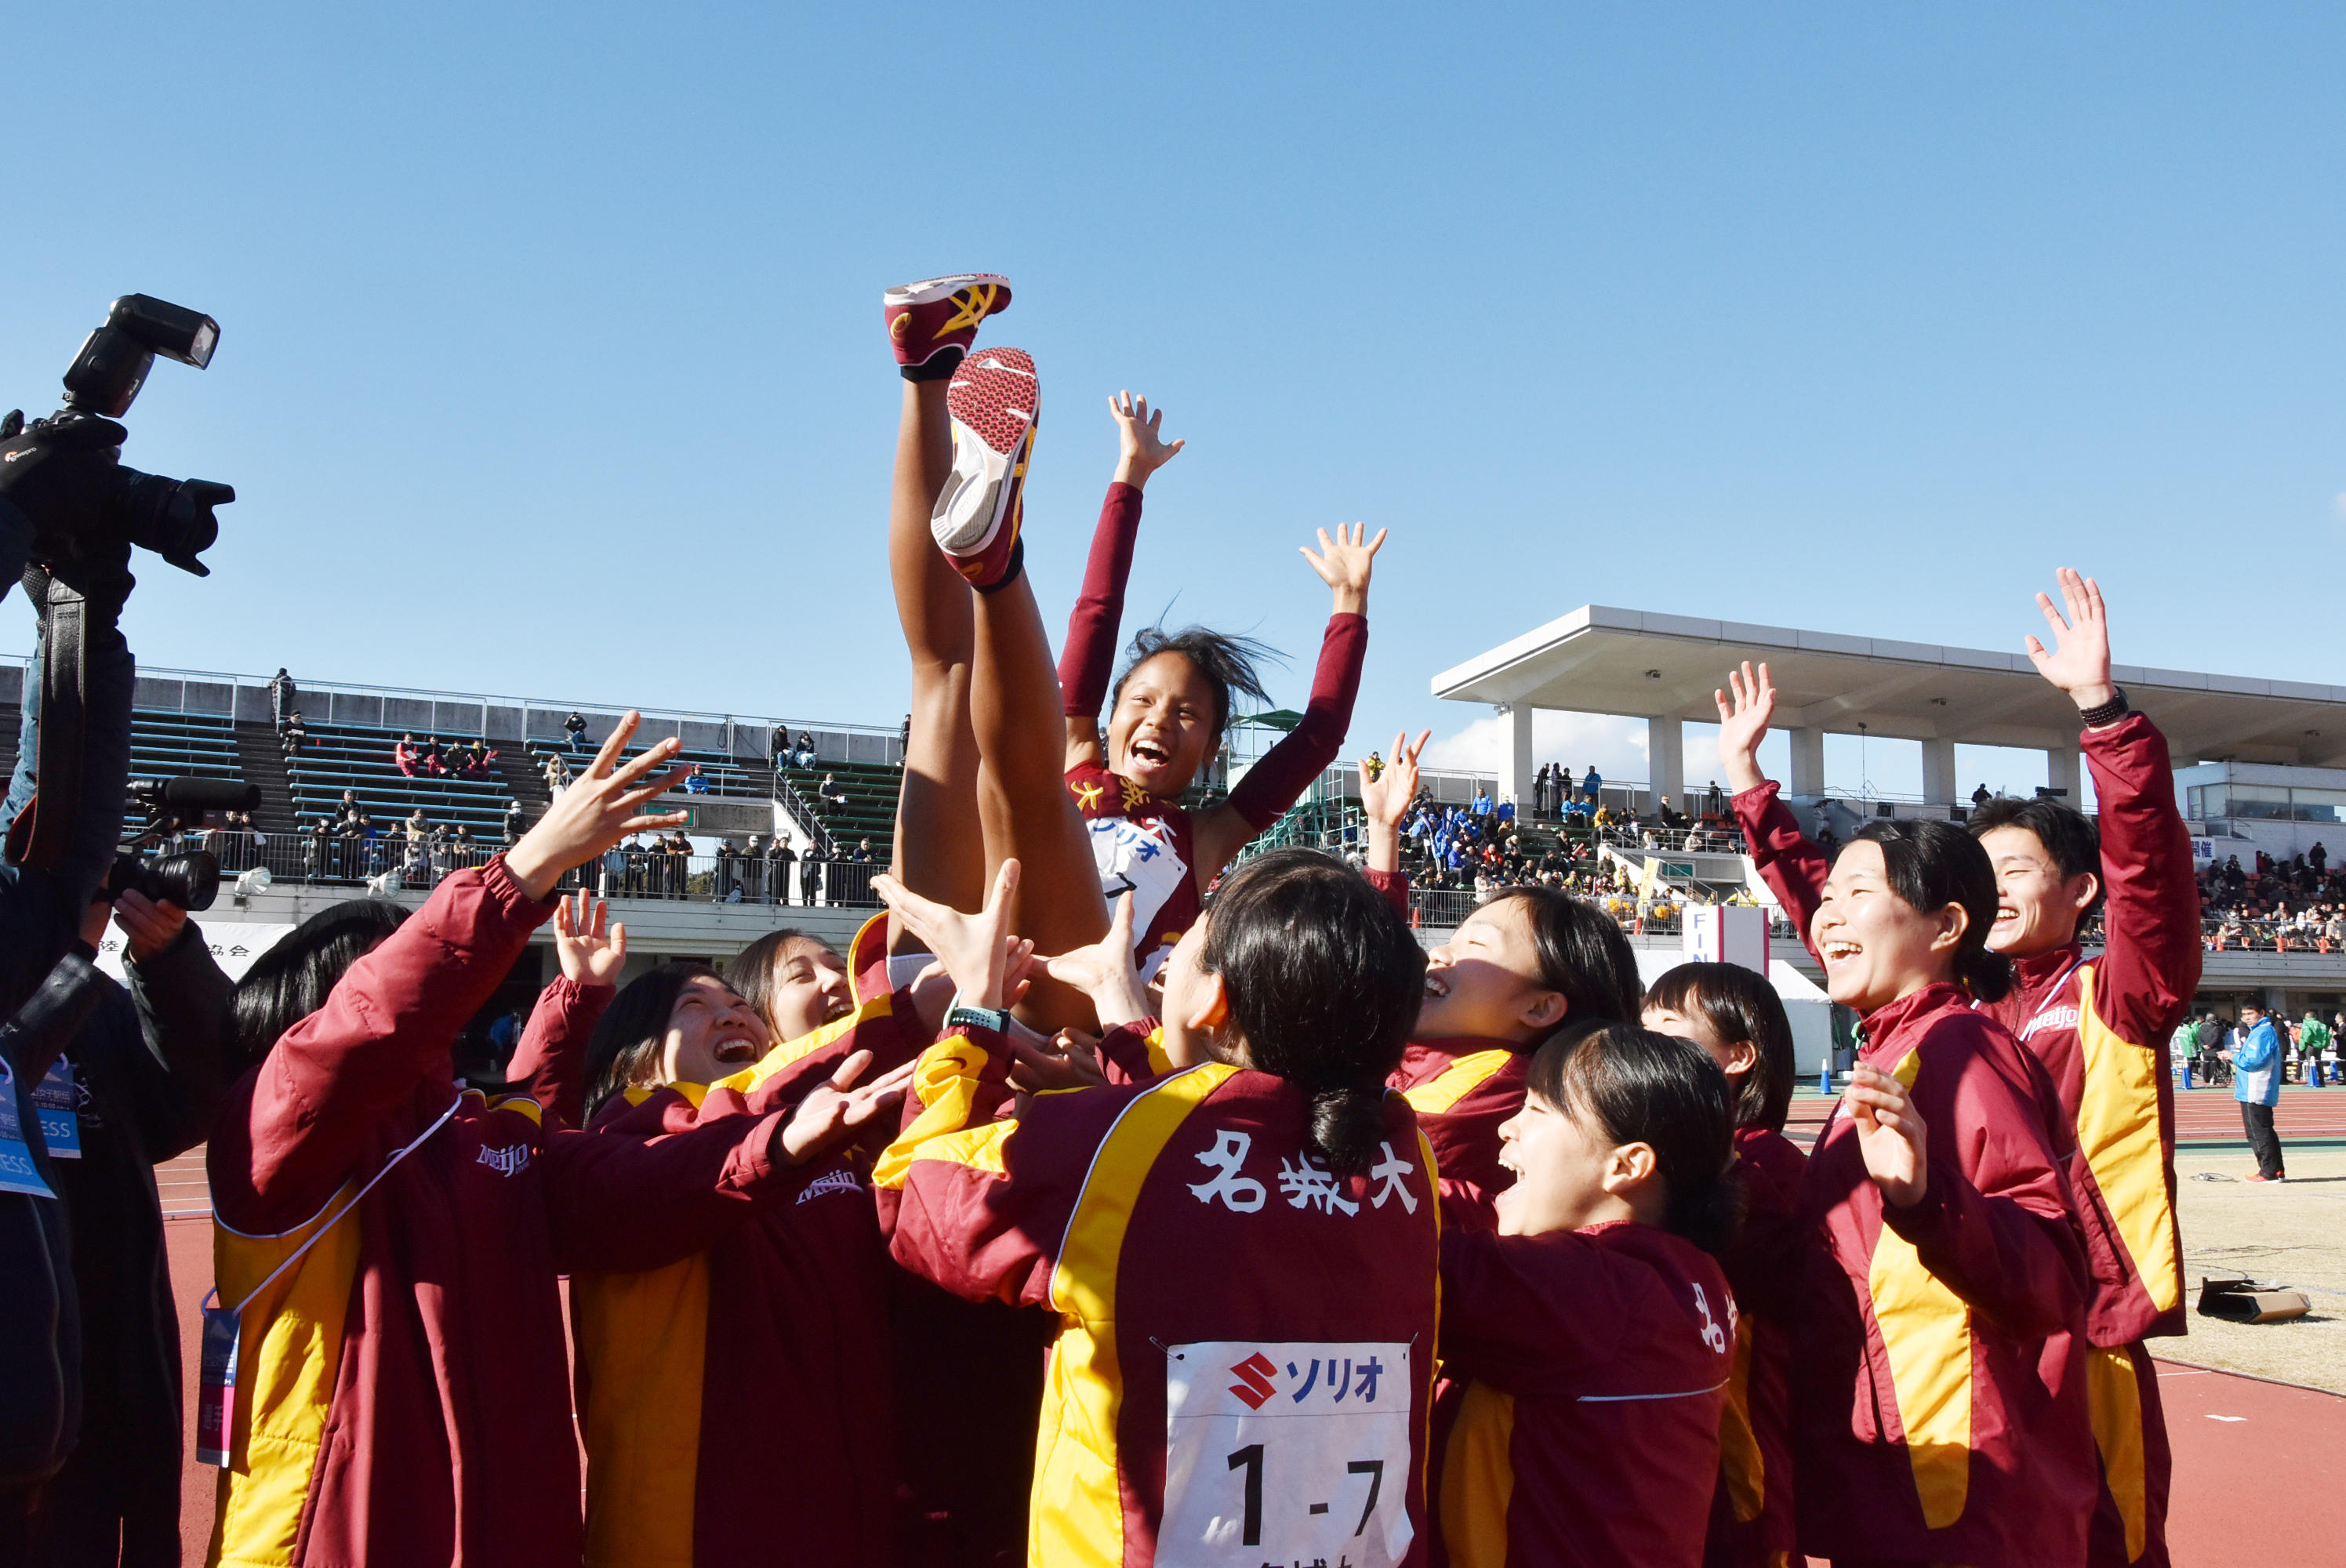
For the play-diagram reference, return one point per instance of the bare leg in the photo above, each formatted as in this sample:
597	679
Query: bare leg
939	850
1023	794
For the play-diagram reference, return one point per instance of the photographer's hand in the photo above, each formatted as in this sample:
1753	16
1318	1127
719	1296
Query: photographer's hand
151	927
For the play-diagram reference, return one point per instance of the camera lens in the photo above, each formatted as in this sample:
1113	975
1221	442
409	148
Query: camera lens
192	881
162	515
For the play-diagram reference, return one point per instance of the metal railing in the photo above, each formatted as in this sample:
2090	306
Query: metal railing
393	861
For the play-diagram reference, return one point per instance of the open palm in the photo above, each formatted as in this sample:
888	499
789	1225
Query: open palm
2079	660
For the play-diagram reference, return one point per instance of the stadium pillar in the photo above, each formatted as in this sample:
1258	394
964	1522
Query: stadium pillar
1665	760
2061	773
1520	765
1808	761
1938	772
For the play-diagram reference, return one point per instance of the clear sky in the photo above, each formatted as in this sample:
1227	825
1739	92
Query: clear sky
551	359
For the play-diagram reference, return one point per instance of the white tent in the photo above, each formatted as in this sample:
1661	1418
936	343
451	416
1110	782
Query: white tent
1805	1004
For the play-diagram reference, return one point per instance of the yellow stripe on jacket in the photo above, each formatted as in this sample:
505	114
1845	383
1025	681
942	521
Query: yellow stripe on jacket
1456	1082
1478	1479
1077	1516
1926	1329
644	1338
2117	1131
291	1350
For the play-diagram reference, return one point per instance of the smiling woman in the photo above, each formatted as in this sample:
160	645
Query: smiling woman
682	1024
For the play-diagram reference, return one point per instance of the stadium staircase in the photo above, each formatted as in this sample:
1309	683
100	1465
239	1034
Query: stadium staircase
263	763
871	789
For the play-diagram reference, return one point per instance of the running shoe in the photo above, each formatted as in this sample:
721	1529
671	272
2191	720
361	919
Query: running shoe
995	399
2262	1179
931	324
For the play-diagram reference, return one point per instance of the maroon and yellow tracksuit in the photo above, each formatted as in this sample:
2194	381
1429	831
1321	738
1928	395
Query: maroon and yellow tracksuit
1582	1426
2101	1027
1751	1519
401	1397
757	1367
1246	1340
1463	1091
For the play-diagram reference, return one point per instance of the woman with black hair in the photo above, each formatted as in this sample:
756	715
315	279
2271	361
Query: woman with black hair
387	1247
1938	1374
1735	1015
1241	1254
1588	1341
1526	962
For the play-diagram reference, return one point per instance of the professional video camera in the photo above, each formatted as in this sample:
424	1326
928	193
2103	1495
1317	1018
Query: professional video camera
64	473
173	806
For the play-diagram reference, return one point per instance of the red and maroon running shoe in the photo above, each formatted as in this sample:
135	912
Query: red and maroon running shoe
995	399
927	319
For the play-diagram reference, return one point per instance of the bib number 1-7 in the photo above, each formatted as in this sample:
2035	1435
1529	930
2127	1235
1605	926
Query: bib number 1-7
1283	1452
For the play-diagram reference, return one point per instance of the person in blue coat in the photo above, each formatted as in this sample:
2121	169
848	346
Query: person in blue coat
2256	1084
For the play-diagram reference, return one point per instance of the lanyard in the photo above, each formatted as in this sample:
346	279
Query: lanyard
318	1235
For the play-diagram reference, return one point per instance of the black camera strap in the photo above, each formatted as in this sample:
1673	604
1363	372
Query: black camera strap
64	716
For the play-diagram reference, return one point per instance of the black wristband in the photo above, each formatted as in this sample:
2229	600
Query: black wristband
2107	713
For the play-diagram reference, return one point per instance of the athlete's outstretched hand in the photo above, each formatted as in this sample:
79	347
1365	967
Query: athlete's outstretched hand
589	956
1104	973
1889	1135
1344	564
1386	798
1743	723
834	1113
603	807
1145	449
988	965
1067	1060
2079	663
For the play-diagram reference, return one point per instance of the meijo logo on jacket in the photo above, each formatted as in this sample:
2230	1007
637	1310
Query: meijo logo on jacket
831	1181
510	1160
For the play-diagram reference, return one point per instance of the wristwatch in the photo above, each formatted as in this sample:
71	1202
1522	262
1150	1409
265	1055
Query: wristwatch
2107	713
962	1015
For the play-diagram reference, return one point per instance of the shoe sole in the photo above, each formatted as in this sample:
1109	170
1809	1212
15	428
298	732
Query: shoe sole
930	290
993	401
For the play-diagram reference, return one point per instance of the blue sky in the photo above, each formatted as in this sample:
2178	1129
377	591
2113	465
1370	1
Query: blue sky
551	360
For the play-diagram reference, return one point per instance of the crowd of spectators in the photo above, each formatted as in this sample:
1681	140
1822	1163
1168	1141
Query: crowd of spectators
2206	1042
464	760
2270	903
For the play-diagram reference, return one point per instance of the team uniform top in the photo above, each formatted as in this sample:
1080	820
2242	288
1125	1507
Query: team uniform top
400	1397
1583	1426
1143	845
1211	1401
1752	1523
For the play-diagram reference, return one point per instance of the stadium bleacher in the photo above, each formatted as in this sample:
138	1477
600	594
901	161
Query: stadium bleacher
338	756
871	789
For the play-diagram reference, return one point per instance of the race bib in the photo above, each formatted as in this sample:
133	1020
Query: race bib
1286	1452
17	1172
1139	860
55	1102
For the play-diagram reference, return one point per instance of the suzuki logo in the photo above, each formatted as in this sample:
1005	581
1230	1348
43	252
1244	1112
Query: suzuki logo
1254	1377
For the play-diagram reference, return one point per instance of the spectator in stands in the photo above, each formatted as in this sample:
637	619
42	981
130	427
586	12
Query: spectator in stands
696	782
779	857
575	726
862	855
1590	785
831	797
777	745
1980	797
557	773
292	734
513	821
406	756
433	760
805	756
811	873
280	697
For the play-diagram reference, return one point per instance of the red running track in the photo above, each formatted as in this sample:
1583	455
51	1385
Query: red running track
2203	1117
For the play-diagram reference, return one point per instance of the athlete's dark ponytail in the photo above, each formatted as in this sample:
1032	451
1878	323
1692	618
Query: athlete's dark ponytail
1636	1086
1324	982
1931	865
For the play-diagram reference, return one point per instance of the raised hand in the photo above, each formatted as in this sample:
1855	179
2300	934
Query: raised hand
1344	564
1104	973
589	956
1145	449
601	807
1067	1060
833	1114
2079	663
1385	798
988	965
1743	723
1889	1135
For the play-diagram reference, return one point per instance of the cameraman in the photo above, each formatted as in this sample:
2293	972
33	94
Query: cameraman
148	1069
41	908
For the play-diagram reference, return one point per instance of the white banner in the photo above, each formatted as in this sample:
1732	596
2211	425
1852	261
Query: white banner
235	943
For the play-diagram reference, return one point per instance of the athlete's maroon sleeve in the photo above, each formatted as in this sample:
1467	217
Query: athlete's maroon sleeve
662	1180
1993	1224
1794	866
1088	659
1123	1053
2145	981
550	1062
1395	885
292	1130
1516	1309
1288	768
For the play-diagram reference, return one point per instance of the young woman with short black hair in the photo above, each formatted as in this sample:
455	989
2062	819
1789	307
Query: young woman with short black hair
1938	1371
